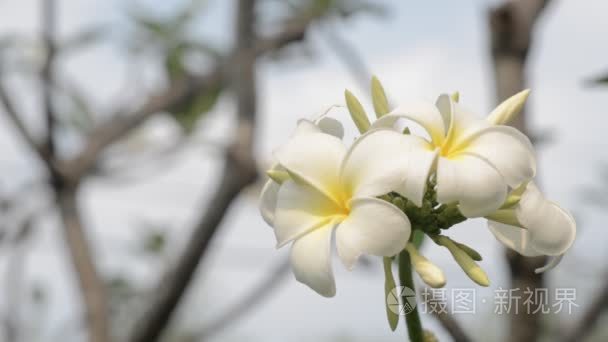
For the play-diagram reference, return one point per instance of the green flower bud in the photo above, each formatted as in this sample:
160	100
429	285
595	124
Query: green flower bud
357	112
278	176
506	216
399	202
379	98
468	265
514	197
455	96
389	285
470	251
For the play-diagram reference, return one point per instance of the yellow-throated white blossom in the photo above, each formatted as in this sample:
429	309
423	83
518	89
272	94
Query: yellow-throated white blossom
534	226
319	123
332	187
477	160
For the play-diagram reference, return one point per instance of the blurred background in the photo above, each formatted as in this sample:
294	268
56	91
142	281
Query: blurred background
134	137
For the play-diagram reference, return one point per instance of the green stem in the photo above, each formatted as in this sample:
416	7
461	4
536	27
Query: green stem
412	319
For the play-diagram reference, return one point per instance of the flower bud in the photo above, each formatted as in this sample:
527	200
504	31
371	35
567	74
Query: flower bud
509	108
455	96
428	272
399	202
357	112
278	176
470	251
514	196
379	98
429	337
506	216
468	265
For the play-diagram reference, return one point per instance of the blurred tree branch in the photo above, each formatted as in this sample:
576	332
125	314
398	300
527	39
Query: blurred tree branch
181	92
15	118
91	284
15	280
512	25
248	302
450	324
49	9
586	324
240	170
67	173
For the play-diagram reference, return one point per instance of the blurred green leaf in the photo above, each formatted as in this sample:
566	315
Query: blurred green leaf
154	242
351	7
189	114
601	80
342	8
320	7
153	25
174	63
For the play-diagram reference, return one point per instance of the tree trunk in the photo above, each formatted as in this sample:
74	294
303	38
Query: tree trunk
511	27
91	285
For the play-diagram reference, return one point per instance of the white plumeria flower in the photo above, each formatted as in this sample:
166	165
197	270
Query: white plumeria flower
534	226
478	160
335	188
319	123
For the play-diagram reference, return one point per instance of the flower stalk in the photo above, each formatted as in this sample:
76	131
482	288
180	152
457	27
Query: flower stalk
412	319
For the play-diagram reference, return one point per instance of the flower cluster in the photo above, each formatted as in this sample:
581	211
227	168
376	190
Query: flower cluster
390	188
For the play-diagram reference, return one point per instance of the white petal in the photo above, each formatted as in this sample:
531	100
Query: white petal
268	201
555	233
445	105
314	158
373	227
509	150
384	160
552	229
531	200
300	209
551	264
423	113
311	260
463	123
476	185
421	162
305	126
549	229
516	238
331	126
